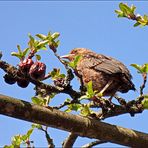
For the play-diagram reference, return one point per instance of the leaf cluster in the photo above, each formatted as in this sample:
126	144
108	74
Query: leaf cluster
35	45
129	12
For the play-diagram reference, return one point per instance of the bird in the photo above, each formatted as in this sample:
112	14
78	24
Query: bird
107	74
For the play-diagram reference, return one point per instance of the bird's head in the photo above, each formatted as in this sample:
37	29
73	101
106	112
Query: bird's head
76	52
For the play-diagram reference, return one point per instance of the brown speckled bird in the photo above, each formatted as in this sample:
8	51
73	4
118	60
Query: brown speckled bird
107	74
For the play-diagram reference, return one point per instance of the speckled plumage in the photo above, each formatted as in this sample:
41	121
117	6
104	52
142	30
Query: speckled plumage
101	70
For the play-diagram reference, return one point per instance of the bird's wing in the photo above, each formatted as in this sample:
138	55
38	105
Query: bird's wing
106	64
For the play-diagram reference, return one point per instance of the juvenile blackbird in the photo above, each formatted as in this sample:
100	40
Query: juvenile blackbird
107	74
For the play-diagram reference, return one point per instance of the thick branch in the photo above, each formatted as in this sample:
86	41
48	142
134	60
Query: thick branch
81	126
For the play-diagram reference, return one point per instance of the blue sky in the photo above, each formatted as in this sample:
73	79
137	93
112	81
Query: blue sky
87	24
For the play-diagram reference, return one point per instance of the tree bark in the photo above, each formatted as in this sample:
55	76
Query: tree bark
79	125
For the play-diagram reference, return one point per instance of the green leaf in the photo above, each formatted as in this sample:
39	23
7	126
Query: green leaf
133	8
38	126
41	36
74	63
85	110
138	67
19	49
16	55
68	100
42	44
56	74
29	132
73	107
38	57
120	13
68	110
31	38
31	42
136	24
24	137
125	8
84	97
145	17
141	69
16	140
25	51
38	100
145	68
90	91
145	103
55	35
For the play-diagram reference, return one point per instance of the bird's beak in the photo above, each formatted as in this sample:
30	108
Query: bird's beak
68	56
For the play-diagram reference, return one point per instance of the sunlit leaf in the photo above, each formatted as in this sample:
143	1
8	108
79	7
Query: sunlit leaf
38	126
16	140
38	100
145	103
138	67
42	44
145	68
41	36
19	49
29	132
133	8
25	51
56	74
74	63
73	107
85	110
90	91
125	8
120	13
55	35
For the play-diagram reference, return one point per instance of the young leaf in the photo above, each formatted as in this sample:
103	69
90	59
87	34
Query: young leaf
73	107
29	132
85	110
42	44
38	100
56	74
19	49
90	91
125	8
16	55
145	103
55	35
38	126
16	140
138	67
145	68
25	51
74	63
133	8
41	36
120	13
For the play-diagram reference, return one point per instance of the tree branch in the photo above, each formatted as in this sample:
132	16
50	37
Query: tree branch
94	143
79	125
70	140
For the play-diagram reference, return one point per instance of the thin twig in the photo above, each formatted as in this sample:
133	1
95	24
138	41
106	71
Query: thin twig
94	143
144	75
70	140
48	138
